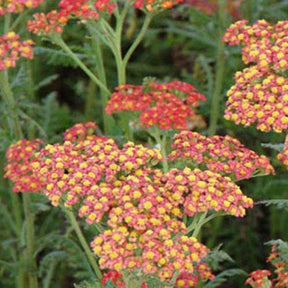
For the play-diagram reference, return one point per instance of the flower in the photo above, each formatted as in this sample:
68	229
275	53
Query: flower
155	4
260	91
17	6
168	105
19	168
47	24
11	49
221	154
259	279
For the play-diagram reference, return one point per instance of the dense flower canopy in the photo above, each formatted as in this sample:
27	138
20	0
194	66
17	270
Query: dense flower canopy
11	49
260	92
17	6
221	154
167	106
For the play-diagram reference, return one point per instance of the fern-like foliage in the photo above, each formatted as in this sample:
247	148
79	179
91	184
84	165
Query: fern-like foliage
279	203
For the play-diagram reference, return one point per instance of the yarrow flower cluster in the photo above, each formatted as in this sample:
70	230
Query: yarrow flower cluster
259	278
220	154
11	49
260	92
55	20
184	280
141	206
155	4
19	168
167	106
17	6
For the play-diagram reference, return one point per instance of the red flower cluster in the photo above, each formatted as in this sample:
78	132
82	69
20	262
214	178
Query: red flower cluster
19	168
225	155
115	277
184	280
45	24
281	267
259	278
158	252
81	131
11	49
168	105
209	7
260	94
155	4
141	206
55	20
17	6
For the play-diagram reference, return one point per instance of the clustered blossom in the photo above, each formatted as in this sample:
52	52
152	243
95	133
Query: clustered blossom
45	24
17	6
221	154
155	4
184	279
19	168
11	49
260	92
210	6
168	105
141	206
259	278
159	251
55	20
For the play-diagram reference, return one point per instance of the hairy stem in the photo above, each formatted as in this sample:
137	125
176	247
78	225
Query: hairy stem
29	225
220	69
59	41
84	244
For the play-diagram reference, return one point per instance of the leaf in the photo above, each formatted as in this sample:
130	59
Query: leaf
46	81
222	277
216	256
57	57
279	203
278	147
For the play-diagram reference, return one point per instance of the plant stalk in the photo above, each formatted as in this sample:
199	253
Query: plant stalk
59	41
220	69
84	244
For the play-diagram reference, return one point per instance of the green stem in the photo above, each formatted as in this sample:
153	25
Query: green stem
59	41
220	68
7	22
138	39
8	98
29	225
162	142
121	71
84	244
49	275
107	120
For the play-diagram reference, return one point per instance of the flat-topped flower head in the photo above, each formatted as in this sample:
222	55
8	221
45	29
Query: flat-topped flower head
48	24
259	279
156	252
167	106
258	98
151	5
279	279
12	49
17	6
19	168
56	20
259	95
80	131
222	154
